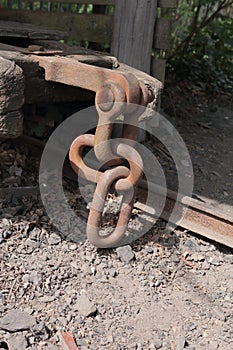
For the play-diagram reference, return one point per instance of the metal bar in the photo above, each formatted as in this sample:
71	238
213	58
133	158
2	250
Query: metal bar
197	215
67	341
61	70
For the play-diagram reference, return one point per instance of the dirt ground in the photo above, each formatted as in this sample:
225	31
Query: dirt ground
166	291
206	125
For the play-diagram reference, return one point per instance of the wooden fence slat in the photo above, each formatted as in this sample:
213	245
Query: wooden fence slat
88	2
88	27
168	3
133	33
162	34
22	30
158	67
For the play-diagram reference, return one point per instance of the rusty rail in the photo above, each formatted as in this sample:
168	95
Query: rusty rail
196	214
209	220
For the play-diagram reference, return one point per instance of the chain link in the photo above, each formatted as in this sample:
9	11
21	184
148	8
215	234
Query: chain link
120	97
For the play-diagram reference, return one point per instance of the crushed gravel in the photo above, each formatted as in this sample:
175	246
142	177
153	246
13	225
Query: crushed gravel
165	291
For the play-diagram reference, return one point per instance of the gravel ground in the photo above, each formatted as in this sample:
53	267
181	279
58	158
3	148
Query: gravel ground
165	291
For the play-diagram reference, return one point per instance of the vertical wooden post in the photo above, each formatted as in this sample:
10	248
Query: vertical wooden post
134	22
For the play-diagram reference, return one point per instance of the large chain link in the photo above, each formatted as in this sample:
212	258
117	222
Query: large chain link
120	97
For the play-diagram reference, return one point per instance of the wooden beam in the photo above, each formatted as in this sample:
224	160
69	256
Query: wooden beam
168	3
158	67
25	30
133	32
76	2
162	35
12	98
80	27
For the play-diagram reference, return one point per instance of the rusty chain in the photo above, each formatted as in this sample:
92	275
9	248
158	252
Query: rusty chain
118	97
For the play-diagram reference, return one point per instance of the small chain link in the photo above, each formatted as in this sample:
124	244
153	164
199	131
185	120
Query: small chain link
115	98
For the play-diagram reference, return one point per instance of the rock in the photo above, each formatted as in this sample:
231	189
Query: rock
125	254
54	239
197	257
34	234
213	345
40	331
75	265
149	250
156	345
219	315
47	298
191	245
215	261
35	278
180	342
17	320
3	345
84	306
204	248
228	259
86	269
73	246
17	342
205	265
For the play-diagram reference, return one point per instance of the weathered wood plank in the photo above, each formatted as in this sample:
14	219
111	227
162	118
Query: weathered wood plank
88	2
89	27
11	98
133	32
168	3
11	124
23	30
96	58
162	34
158	67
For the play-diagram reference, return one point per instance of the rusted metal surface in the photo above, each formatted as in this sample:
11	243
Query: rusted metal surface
196	215
67	341
209	219
120	178
110	87
97	206
117	94
76	161
68	71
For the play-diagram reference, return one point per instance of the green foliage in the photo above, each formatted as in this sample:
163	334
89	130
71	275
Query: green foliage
202	47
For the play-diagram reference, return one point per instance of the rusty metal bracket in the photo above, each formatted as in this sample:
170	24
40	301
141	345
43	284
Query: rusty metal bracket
117	94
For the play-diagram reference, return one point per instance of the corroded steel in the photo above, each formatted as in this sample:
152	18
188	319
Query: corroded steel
68	71
97	206
124	150
122	179
117	94
67	341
